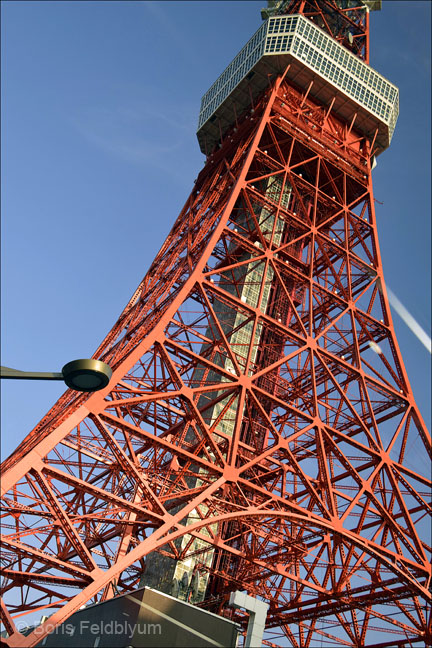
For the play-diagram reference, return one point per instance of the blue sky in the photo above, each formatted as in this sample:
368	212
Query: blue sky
100	103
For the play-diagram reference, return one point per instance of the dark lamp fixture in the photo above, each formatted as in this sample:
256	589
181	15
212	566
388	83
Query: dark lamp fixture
86	375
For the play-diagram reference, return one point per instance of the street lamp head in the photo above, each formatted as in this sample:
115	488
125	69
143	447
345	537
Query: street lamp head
86	375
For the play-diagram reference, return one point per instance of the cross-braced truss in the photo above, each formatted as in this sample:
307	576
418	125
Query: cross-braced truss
259	420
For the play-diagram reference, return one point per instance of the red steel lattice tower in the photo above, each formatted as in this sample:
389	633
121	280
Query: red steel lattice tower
254	433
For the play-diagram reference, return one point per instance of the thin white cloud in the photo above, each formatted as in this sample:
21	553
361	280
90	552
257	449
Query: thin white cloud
170	30
409	320
139	130
141	151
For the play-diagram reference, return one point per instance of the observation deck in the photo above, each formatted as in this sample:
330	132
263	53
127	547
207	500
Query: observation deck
314	56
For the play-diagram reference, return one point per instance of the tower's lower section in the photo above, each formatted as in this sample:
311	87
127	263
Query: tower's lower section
255	432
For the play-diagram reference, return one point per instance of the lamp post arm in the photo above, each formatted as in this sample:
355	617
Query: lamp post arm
86	375
7	372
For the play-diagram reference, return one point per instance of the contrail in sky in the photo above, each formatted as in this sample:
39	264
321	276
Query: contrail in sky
409	320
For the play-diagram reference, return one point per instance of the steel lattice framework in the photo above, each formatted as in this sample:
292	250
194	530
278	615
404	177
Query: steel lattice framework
259	413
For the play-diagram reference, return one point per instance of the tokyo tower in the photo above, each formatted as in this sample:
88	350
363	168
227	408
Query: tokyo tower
255	431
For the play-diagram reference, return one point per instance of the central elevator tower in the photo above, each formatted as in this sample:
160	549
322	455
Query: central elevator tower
254	434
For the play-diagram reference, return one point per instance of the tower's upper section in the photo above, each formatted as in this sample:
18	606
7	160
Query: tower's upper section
317	60
347	21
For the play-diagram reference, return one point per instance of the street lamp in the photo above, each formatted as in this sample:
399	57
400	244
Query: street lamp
80	375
